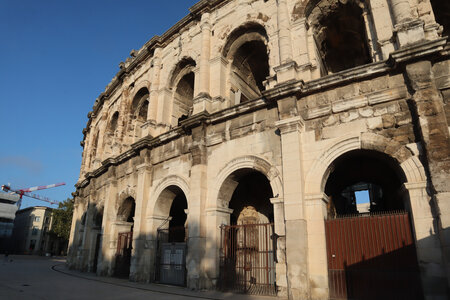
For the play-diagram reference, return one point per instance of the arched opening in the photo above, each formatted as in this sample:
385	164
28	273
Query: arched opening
340	35
172	237
369	239
364	181
94	149
124	224
139	110
249	243
178	217
113	123
97	235
111	133
182	83
251	199
441	11
246	50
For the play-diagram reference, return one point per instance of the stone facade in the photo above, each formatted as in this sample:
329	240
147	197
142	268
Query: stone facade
285	89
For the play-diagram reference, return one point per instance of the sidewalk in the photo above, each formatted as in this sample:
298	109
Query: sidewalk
158	288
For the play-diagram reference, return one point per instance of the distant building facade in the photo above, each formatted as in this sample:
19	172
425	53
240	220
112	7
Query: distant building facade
227	152
31	231
8	208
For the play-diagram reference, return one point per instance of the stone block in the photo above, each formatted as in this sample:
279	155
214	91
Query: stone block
346	92
375	123
380	83
355	102
366	112
348	116
388	121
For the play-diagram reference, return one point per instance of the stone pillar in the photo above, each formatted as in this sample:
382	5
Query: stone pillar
154	91
428	248
139	267
197	202
407	30
215	218
287	68
284	34
431	123
106	263
74	232
202	101
316	213
305	62
83	250
280	232
296	226
218	67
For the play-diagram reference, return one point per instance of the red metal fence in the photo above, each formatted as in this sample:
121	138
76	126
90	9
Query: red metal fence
372	256
248	259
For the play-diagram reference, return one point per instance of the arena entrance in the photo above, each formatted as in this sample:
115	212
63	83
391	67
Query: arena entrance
370	245
172	239
247	257
125	223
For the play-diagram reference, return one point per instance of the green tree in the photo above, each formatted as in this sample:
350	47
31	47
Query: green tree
62	220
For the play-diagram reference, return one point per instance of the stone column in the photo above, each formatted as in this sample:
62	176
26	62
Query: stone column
154	91
429	253
83	250
197	202
284	34
407	29
202	101
431	123
287	68
280	232
139	267
215	218
105	265
74	232
316	213
296	226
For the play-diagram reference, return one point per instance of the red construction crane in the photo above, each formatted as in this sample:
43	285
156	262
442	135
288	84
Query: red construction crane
27	192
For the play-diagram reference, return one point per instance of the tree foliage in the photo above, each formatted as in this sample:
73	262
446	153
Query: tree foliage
62	219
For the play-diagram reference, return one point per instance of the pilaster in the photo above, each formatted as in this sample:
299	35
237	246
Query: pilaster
215	218
316	213
202	101
197	202
295	222
106	263
407	30
287	69
139	267
428	246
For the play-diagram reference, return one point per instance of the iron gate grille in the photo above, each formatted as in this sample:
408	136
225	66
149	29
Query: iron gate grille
247	259
123	254
171	256
372	256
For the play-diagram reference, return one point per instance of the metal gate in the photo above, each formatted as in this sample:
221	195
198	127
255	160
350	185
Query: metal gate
372	256
123	254
171	257
247	259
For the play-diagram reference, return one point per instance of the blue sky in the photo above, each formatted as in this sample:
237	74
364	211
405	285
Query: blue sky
57	57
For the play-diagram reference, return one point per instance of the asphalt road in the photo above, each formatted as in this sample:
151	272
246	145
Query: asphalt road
34	277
